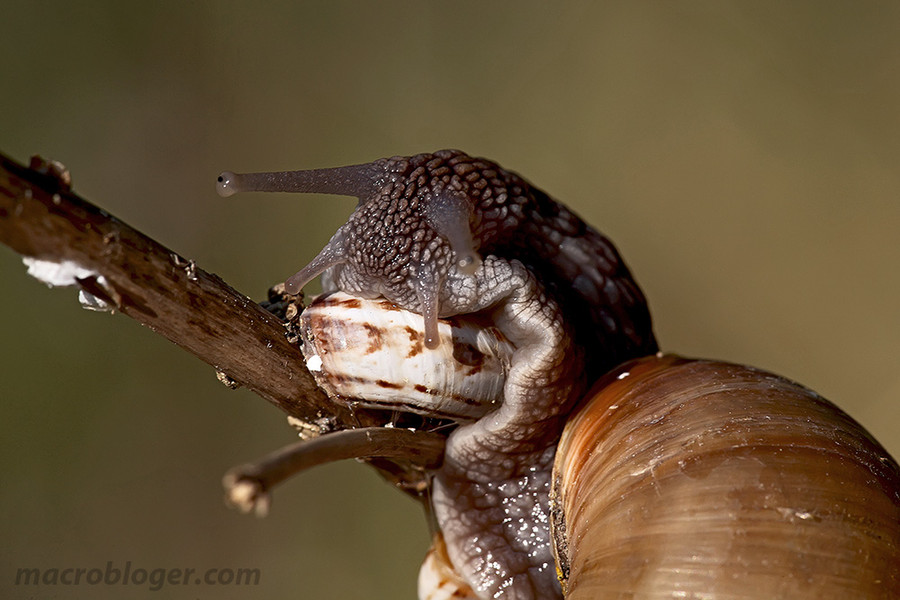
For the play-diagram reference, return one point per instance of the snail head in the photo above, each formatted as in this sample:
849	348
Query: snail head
409	240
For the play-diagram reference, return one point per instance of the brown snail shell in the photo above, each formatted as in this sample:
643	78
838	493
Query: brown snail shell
701	479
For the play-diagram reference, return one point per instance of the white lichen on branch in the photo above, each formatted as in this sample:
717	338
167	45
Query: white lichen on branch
68	273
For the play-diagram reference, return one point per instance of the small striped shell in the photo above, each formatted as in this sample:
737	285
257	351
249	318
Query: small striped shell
371	352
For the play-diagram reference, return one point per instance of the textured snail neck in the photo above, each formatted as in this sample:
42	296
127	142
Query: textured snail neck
445	234
491	496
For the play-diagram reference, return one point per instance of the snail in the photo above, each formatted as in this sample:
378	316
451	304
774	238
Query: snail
583	461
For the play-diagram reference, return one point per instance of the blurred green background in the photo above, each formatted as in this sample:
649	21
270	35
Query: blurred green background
743	155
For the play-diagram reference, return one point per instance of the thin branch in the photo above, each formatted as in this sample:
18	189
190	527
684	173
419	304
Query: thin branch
248	486
133	274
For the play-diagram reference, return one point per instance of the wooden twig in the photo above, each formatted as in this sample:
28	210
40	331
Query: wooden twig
248	486
125	270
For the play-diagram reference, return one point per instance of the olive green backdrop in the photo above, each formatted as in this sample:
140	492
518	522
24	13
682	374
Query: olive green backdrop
745	157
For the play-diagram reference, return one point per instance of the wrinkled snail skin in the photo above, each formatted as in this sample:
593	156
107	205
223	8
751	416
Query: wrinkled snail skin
701	479
445	234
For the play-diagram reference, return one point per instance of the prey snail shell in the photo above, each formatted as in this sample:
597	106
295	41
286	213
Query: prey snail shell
374	351
446	234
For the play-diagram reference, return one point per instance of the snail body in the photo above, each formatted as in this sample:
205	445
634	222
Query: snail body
444	235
